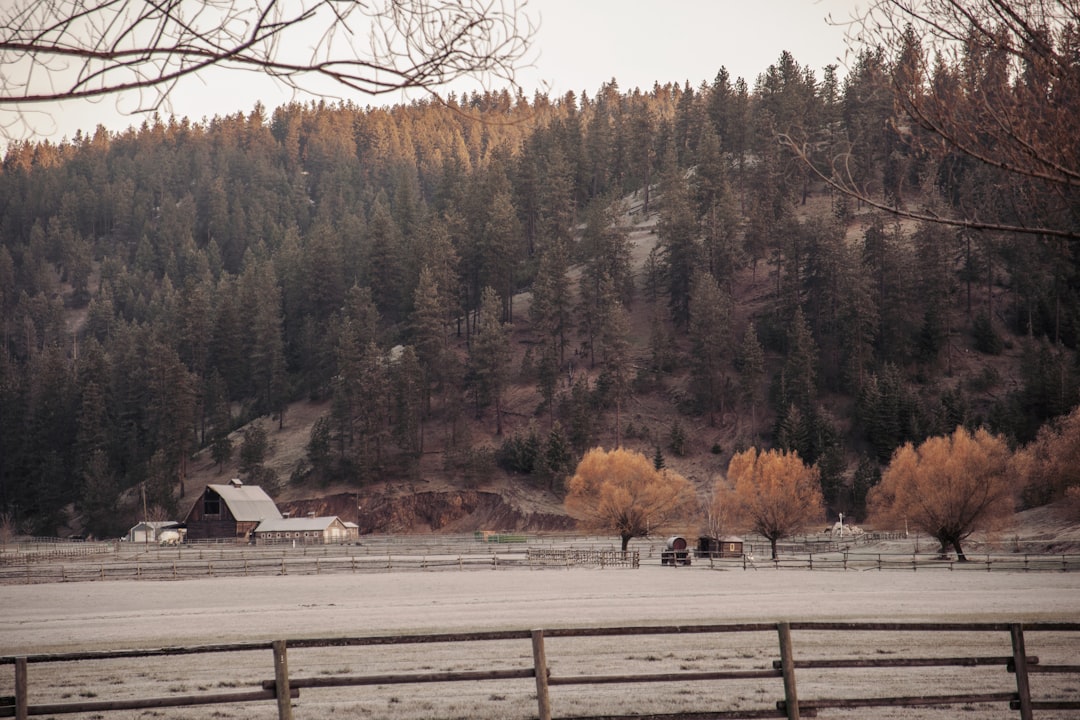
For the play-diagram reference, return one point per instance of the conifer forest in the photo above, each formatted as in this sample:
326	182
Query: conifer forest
493	284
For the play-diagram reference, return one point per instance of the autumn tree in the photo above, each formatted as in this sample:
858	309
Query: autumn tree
1051	464
621	492
775	493
949	487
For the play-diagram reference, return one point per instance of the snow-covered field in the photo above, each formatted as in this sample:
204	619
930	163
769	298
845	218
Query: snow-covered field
111	615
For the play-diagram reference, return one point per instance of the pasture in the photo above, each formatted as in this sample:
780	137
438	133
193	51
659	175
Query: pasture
65	617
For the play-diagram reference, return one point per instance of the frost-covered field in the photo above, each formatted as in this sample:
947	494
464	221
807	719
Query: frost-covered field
109	615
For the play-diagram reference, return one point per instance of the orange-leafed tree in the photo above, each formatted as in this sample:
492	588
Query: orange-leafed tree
622	492
949	487
775	493
1050	466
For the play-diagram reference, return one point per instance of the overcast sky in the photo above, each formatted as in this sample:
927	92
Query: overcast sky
579	45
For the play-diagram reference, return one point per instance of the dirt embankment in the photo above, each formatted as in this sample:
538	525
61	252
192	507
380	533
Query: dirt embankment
430	511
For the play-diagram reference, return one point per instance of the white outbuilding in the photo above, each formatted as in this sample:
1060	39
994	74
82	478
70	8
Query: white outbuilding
302	530
149	531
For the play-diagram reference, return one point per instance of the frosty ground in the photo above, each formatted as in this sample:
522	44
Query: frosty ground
110	615
53	617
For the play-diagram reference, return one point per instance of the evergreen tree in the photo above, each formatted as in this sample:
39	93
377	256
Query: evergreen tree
489	356
751	365
710	335
677	231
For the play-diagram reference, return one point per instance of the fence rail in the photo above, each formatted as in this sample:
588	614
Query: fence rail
32	563
783	668
188	567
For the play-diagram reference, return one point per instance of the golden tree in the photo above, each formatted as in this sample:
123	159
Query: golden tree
621	492
948	487
775	493
1050	466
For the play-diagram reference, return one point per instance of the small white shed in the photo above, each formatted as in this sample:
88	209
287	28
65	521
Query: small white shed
148	530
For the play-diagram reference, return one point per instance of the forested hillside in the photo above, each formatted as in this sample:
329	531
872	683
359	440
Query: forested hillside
425	268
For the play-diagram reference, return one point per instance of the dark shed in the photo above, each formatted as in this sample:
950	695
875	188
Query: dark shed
727	546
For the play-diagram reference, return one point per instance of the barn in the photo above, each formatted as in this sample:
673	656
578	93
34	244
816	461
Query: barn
231	511
302	530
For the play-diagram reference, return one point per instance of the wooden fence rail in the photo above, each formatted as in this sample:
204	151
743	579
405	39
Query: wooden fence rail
787	703
265	564
239	561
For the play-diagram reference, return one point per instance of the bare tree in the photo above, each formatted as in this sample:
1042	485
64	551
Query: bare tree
63	49
986	84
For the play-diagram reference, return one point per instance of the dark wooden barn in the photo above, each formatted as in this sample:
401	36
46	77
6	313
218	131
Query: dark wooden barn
231	511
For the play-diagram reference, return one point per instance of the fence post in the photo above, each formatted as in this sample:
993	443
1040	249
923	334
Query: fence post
787	665
1023	689
281	681
22	703
540	669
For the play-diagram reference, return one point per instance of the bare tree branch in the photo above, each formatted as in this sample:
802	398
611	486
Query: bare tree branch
996	82
842	181
66	49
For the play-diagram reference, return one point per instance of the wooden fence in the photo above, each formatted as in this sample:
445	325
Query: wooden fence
897	561
269	564
283	687
51	562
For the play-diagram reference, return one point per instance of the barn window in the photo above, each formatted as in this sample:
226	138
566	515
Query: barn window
212	505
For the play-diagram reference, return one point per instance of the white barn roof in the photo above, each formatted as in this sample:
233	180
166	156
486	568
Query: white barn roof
247	503
301	524
154	525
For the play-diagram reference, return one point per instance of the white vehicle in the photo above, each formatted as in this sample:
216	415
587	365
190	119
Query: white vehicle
169	537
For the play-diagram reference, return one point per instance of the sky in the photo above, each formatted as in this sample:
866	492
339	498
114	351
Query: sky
579	44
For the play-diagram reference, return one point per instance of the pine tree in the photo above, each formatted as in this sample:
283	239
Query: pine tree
751	365
680	248
710	335
489	356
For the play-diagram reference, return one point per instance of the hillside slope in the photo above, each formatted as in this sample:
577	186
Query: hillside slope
434	499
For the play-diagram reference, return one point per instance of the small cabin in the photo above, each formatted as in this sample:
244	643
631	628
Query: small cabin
728	546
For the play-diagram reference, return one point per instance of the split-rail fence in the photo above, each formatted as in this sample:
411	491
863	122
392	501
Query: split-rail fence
284	687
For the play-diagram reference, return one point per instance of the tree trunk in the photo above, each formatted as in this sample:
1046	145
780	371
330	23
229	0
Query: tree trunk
960	557
772	544
625	543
